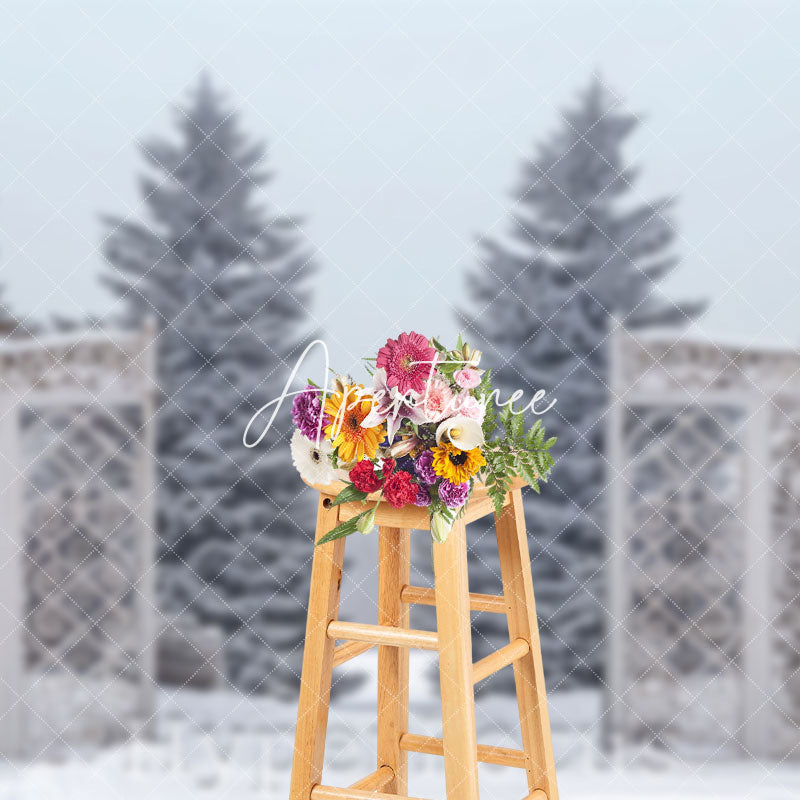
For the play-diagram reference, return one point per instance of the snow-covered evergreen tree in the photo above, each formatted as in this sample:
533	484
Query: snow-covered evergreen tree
225	278
583	247
8	322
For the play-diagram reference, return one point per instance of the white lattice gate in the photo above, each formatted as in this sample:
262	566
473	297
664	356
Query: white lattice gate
704	569
77	614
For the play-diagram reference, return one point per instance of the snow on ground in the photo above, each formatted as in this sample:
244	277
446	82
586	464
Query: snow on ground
224	745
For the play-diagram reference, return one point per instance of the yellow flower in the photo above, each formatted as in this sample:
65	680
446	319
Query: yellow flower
347	409
457	466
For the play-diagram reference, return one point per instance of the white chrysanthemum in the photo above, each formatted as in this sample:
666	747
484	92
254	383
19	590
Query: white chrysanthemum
312	462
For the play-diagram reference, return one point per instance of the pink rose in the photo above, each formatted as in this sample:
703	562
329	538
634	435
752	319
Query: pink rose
467	378
468	406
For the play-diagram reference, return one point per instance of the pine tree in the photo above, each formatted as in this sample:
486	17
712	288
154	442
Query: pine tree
225	278
583	247
8	322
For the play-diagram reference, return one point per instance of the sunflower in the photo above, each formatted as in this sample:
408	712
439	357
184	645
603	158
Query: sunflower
347	409
457	466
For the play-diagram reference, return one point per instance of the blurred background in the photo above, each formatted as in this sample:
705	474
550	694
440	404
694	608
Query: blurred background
600	195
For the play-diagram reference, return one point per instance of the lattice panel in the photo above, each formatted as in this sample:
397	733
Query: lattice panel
704	531
80	536
785	658
657	364
86	618
684	561
90	363
76	435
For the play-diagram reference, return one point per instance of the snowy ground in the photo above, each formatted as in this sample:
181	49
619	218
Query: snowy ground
223	745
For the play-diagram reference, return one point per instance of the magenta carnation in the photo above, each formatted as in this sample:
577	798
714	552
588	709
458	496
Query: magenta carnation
453	495
307	410
423	496
423	466
404	360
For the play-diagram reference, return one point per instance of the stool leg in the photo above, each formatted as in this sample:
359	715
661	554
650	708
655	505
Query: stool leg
515	566
394	572
315	684
455	665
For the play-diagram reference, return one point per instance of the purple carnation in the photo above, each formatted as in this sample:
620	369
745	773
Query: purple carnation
423	466
307	410
453	495
423	497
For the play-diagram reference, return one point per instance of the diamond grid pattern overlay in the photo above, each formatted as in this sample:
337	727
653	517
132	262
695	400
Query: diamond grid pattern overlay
464	22
710	570
78	543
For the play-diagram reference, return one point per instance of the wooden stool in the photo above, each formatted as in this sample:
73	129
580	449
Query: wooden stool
393	637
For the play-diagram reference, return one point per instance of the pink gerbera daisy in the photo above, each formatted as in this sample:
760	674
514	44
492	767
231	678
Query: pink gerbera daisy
408	361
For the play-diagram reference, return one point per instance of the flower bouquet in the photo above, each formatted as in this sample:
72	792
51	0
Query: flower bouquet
427	430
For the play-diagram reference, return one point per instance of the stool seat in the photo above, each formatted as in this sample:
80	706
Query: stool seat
394	637
418	519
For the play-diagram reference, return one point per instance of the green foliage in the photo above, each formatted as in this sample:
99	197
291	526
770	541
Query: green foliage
448	514
348	495
448	369
449	361
345	528
515	452
482	391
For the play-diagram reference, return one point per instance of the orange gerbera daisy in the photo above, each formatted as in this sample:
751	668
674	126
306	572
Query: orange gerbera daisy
348	409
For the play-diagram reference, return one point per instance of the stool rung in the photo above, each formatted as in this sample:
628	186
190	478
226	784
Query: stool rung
488	754
494	662
419	595
537	795
332	793
344	652
383	635
376	781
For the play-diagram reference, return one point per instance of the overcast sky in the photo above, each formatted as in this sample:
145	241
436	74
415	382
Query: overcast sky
397	130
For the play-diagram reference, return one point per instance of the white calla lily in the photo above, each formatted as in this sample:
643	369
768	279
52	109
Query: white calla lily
463	432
